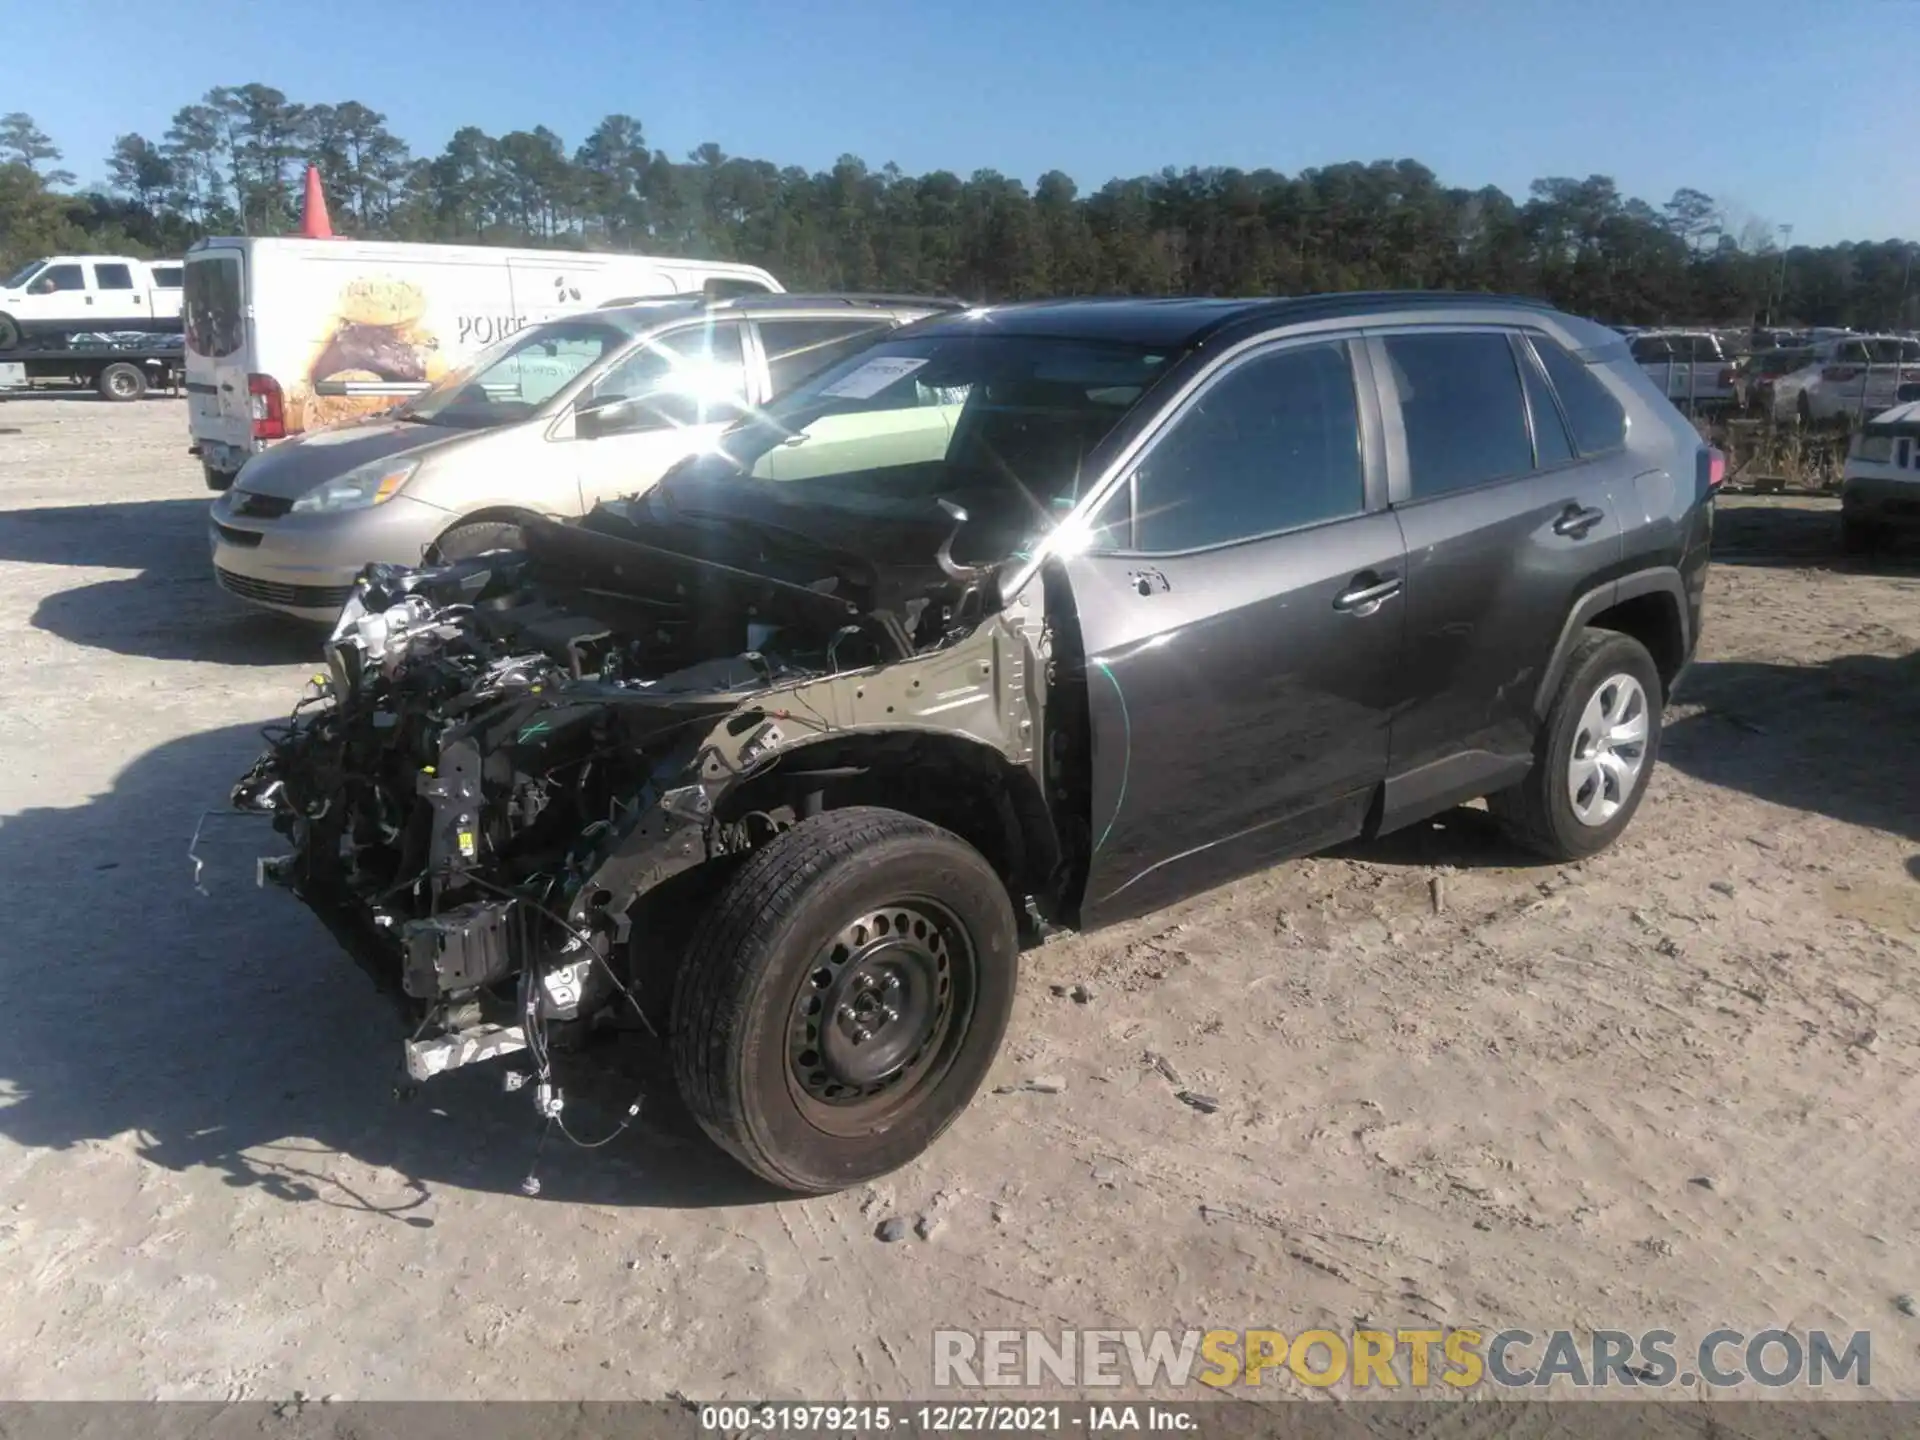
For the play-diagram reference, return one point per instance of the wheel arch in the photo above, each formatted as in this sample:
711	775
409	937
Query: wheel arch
961	784
1648	605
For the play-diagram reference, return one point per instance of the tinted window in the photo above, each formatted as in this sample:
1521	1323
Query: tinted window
718	289
1595	417
113	277
1550	443
166	277
1273	444
1461	406
211	315
1651	352
799	348
58	277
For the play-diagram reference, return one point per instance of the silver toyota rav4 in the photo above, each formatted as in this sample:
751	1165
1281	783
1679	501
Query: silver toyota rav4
548	422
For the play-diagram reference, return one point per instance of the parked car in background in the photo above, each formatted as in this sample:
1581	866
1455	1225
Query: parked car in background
289	334
1185	588
1691	367
1854	376
105	293
1880	485
548	421
1760	375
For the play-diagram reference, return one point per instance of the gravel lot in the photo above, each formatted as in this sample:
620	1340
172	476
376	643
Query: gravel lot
1675	1086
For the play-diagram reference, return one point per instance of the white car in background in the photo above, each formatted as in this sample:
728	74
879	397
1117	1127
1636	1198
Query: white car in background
1692	367
1880	487
1854	375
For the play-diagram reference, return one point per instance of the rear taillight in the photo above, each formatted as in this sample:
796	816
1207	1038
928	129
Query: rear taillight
268	407
1713	468
1839	373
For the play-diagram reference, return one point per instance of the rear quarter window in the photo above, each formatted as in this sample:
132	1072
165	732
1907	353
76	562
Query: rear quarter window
1597	420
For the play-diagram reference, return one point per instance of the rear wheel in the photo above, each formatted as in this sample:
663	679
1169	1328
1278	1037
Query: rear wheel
843	997
121	382
216	479
1594	755
463	542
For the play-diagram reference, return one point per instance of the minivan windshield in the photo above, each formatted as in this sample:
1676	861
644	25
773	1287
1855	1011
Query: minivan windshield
511	379
1001	425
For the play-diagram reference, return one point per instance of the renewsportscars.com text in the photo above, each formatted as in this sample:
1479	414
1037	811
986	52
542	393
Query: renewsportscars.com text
1366	1359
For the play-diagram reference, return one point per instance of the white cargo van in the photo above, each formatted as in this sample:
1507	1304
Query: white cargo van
285	335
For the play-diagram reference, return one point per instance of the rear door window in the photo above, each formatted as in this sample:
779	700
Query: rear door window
1462	409
113	277
1272	445
166	277
1597	421
797	349
211	307
1551	445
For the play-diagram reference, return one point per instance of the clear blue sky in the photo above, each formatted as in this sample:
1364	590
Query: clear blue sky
1794	111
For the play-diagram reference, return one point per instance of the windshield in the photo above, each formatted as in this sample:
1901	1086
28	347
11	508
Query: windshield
20	277
1000	425
511	379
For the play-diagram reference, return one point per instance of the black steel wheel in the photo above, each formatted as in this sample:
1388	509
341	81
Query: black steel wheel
844	996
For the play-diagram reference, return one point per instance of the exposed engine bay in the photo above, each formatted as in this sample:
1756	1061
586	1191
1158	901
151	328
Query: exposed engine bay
500	793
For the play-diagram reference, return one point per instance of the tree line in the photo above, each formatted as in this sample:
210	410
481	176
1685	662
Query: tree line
232	164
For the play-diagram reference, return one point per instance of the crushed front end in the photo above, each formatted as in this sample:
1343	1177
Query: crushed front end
507	755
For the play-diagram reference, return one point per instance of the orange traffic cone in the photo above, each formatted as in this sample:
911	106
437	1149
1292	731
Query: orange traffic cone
314	224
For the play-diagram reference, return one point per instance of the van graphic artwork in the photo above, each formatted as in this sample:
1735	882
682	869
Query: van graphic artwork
376	334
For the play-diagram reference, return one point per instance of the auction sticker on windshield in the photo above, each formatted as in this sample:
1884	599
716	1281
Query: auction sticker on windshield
871	378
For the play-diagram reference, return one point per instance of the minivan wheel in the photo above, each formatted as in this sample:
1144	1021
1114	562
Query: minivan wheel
121	381
1594	755
463	542
843	997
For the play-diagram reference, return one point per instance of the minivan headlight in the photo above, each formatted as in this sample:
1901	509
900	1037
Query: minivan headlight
360	487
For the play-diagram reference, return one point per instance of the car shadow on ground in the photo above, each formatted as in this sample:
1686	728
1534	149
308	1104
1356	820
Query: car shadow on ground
226	1030
1835	739
172	610
1801	533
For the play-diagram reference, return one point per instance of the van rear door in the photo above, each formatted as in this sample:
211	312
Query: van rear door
214	318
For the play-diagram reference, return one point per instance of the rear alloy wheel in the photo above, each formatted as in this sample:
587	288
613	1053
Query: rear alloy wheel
121	382
463	542
843	998
1594	755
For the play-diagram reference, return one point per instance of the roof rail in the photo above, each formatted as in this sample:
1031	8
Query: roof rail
840	297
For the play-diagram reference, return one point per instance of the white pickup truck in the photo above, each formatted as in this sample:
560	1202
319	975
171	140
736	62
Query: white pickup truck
108	294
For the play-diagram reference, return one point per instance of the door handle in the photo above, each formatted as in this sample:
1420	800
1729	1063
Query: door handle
1575	522
1148	582
1366	593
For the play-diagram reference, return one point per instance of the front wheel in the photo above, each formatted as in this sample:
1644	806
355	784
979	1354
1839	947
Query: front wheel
463	542
1594	755
9	332
843	997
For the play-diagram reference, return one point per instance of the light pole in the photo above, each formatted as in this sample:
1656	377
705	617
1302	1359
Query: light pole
1786	240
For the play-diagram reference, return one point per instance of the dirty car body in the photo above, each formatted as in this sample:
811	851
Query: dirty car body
1040	615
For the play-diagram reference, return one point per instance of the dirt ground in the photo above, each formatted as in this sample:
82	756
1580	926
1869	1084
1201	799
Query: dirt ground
1673	1087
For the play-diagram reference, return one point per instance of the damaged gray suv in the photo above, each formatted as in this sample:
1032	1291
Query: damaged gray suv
1035	616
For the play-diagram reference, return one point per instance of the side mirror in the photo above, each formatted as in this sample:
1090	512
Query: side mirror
610	417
